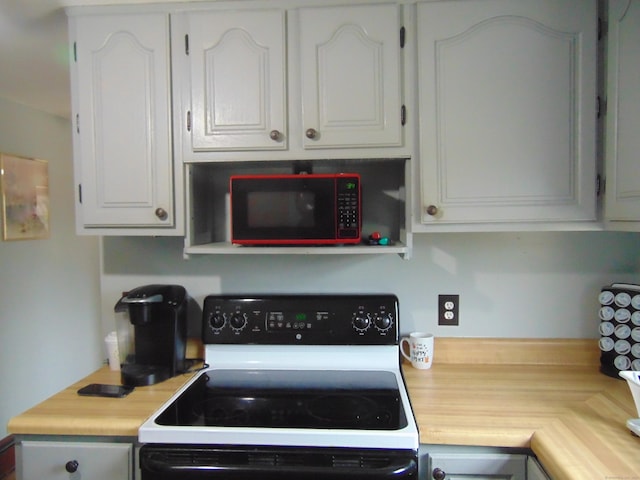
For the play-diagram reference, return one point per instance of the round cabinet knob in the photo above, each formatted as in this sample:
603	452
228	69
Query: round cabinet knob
439	474
432	210
161	213
275	135
311	133
71	466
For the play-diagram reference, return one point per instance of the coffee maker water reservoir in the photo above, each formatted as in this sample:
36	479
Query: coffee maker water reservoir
158	314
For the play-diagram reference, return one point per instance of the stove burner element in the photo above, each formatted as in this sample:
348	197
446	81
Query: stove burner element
343	409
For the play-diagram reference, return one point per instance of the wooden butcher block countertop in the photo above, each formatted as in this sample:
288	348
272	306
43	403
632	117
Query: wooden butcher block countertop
546	395
67	413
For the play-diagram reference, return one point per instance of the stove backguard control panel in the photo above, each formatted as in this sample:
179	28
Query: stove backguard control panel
301	319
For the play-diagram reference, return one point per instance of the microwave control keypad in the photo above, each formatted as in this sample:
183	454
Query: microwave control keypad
348	208
619	328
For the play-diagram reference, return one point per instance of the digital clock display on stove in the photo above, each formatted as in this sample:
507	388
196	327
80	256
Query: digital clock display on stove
295	320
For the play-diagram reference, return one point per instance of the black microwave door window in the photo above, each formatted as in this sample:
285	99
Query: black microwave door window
284	209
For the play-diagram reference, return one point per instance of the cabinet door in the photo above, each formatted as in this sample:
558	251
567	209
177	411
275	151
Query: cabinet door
55	461
350	76
535	471
623	112
122	144
507	96
480	466
237	63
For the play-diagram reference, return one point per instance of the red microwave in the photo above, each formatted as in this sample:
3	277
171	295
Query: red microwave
302	209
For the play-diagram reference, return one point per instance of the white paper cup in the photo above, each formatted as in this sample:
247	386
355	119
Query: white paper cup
111	342
420	349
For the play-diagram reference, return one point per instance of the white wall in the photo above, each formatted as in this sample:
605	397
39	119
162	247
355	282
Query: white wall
50	332
510	284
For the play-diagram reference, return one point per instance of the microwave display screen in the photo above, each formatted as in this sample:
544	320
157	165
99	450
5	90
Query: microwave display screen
281	209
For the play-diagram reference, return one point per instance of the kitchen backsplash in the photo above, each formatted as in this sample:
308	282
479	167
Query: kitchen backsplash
529	284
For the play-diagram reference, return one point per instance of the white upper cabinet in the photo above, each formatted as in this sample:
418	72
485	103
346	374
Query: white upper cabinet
238	88
623	116
507	98
281	84
122	133
350	76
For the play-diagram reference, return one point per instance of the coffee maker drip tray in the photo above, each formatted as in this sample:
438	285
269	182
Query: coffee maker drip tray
139	375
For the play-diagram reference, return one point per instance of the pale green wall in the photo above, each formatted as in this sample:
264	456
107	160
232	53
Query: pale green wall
536	284
49	289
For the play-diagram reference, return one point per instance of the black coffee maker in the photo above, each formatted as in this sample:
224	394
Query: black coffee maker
158	314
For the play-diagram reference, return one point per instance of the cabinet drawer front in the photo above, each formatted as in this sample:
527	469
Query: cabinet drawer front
38	460
479	466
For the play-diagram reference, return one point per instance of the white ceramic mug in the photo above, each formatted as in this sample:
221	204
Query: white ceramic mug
420	349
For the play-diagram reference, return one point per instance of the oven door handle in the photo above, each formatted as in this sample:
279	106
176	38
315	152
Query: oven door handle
401	468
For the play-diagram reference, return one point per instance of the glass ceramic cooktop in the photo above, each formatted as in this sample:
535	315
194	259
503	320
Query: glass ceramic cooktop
333	399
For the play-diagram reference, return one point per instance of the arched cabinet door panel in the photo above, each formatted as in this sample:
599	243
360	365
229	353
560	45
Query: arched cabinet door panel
507	98
623	115
122	122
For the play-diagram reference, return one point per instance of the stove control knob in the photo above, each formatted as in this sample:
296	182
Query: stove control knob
238	321
216	320
361	322
383	322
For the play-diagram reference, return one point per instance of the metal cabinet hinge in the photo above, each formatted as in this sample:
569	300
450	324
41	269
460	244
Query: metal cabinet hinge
403	115
403	35
77	123
186	44
600	185
601	107
603	28
75	52
188	120
80	192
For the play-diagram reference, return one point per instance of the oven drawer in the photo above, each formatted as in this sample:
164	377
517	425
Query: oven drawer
186	462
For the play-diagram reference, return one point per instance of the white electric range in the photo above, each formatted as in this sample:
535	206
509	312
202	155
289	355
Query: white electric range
297	386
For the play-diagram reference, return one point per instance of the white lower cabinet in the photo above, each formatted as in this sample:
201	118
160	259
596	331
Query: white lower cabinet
480	466
535	471
448	462
65	460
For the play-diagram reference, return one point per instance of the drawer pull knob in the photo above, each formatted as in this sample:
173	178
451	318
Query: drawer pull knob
439	474
311	133
71	466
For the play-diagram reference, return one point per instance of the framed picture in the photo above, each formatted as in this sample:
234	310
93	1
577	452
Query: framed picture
24	184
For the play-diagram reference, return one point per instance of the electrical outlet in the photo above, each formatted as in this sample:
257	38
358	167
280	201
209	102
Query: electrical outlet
448	310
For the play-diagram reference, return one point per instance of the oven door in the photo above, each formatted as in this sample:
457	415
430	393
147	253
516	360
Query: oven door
186	462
